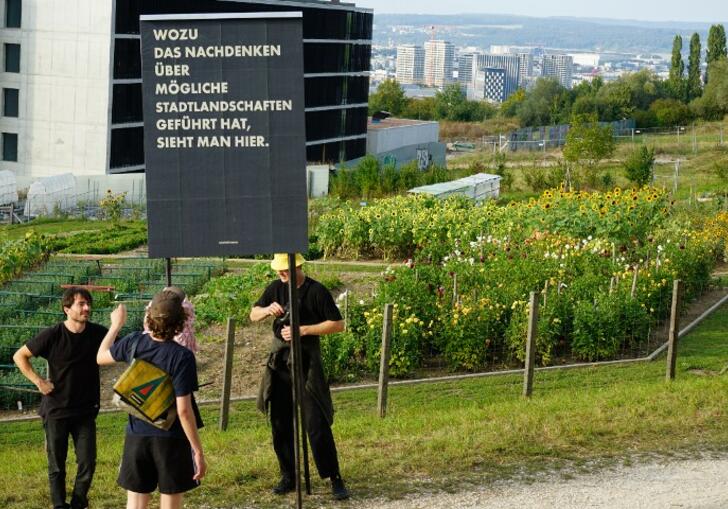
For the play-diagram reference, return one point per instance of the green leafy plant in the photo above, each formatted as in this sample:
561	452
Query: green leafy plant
638	165
231	295
112	205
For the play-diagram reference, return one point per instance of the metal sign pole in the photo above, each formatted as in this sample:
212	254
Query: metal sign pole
301	386
293	307
297	381
169	271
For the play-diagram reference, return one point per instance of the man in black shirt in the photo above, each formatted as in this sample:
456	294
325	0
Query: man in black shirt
318	315
71	393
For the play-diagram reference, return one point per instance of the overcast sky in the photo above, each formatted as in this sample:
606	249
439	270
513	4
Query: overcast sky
649	10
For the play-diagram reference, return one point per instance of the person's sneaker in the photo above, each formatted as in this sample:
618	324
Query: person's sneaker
338	489
285	485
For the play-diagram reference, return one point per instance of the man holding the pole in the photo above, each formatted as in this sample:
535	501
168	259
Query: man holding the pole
318	315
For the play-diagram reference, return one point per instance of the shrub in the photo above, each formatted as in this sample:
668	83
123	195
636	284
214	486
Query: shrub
366	176
370	179
17	256
540	179
670	112
339	356
231	295
472	337
555	322
606	325
638	166
501	169
343	185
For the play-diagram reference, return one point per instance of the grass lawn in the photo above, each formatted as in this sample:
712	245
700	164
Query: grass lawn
441	436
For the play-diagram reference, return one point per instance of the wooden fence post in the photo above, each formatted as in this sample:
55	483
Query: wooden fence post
346	310
384	365
530	360
227	375
674	330
454	289
634	280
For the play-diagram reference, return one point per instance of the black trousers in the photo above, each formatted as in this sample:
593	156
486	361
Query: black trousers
316	425
83	432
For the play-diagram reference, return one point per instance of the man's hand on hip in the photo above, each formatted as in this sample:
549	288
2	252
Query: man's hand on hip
45	386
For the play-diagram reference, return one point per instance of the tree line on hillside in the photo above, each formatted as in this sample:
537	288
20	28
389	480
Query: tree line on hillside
652	101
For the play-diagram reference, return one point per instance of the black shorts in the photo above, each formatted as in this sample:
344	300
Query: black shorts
149	462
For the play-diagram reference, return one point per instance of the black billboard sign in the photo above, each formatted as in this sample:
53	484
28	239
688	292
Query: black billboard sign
224	134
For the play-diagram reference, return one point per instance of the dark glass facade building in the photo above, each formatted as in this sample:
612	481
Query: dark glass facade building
337	51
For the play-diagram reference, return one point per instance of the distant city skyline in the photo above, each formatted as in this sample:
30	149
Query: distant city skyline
667	10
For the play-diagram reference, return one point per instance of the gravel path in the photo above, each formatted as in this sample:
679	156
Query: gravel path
695	484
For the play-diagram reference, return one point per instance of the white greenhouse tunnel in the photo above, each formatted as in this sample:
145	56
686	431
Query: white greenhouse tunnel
49	193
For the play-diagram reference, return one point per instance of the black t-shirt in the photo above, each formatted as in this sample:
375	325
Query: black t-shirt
174	359
316	303
72	368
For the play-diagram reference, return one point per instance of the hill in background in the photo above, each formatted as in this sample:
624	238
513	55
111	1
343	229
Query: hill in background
483	30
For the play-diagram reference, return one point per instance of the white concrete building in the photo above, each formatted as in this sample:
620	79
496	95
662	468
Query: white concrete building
61	87
70	71
439	56
410	64
586	59
500	49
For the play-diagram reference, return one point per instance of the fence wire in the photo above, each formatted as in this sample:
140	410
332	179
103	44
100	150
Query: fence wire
681	139
502	375
32	303
643	328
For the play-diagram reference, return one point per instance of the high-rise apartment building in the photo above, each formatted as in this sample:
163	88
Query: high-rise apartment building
439	56
465	69
490	85
72	85
525	68
509	64
560	67
410	64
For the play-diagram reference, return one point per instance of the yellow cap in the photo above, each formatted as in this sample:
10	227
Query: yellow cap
280	261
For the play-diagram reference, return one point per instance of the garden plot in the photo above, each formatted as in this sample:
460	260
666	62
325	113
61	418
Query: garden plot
32	302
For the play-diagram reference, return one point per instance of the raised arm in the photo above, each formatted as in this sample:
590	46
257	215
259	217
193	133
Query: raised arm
118	318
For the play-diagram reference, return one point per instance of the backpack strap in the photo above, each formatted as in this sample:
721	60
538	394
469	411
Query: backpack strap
134	345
